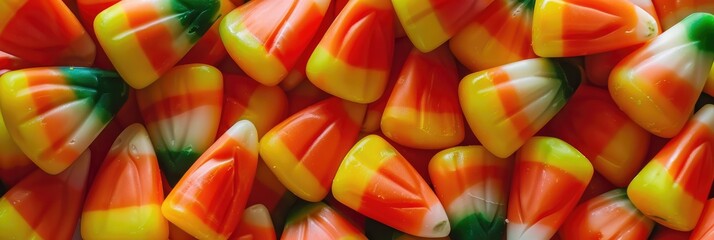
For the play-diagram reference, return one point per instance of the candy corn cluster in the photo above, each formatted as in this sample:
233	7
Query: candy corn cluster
357	119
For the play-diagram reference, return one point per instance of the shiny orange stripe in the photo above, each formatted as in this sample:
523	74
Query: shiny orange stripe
141	15
687	157
174	105
126	183
511	102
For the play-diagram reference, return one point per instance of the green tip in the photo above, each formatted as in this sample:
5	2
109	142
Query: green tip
107	89
196	16
701	29
477	226
175	163
528	4
570	73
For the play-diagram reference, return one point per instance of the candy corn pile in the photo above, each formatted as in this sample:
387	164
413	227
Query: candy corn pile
357	119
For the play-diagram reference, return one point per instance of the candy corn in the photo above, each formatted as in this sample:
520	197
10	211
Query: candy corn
318	221
608	216
423	111
507	105
305	150
670	12
672	188
705	225
44	32
592	123
268	191
210	49
184	96
266	38
14	165
428	23
563	28
375	180
658	84
44	206
255	224
246	99
124	201
53	114
208	201
473	185
353	59
548	180
144	39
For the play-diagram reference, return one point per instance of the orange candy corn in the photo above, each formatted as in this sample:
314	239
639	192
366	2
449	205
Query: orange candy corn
45	32
246	99
318	221
375	180
658	84
124	201
548	180
705	225
54	113
305	150
144	39
670	12
608	216
208	201
430	23
14	165
672	188
185	95
266	38
499	35
473	185
210	49
44	206
353	59
255	224
423	110
507	105
564	28
592	123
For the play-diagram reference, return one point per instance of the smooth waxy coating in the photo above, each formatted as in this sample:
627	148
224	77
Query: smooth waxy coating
318	221
657	85
246	99
375	180
705	225
14	165
53	114
209	199
673	187
473	185
124	201
255	224
507	105
548	180
145	38
183	96
564	28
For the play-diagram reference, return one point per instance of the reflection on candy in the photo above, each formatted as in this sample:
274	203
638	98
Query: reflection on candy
246	99
429	23
305	150
548	180
608	216
507	105
672	188
318	221
499	35
14	165
53	114
423	109
184	96
144	39
563	28
45	32
266	38
44	206
255	224
705	225
375	180
208	201
353	59
473	185
124	202
210	49
592	123
658	84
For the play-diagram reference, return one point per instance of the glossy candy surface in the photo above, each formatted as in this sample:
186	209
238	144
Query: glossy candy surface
53	114
246	99
255	224
507	105
209	199
124	202
145	38
658	84
318	221
673	187
376	181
